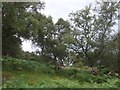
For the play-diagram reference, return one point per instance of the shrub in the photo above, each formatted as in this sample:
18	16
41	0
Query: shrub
67	72
83	77
99	79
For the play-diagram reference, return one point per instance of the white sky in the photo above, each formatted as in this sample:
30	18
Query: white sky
58	9
62	8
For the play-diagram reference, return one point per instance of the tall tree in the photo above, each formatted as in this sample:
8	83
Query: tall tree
93	30
106	20
62	36
85	34
14	19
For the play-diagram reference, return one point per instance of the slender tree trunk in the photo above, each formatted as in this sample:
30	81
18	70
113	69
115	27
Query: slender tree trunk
119	61
94	71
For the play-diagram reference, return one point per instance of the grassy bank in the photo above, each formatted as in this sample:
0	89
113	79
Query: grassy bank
19	73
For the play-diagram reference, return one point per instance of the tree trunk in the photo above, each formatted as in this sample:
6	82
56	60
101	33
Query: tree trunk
94	71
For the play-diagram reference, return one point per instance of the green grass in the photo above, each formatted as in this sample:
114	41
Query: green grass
40	75
36	80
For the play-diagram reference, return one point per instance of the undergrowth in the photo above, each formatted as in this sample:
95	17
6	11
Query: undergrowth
18	73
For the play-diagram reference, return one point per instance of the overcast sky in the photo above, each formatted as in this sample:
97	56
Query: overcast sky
62	8
58	9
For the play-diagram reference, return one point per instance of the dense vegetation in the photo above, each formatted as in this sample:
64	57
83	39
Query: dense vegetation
75	53
18	73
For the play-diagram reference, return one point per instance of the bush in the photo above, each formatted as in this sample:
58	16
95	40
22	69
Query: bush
105	70
67	72
83	77
99	79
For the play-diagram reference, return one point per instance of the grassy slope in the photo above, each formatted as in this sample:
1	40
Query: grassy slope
38	80
13	78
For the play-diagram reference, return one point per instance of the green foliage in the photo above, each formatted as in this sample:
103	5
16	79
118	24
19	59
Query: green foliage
88	35
15	24
93	33
40	75
89	40
19	64
66	72
15	83
105	70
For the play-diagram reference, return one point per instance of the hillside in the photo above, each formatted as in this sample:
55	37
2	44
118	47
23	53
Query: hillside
18	73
